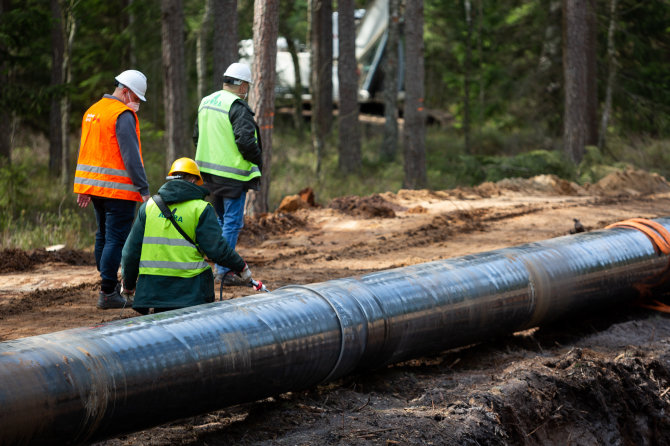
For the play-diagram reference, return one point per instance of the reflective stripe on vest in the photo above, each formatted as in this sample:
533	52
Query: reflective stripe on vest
167	268
217	152
100	168
165	252
219	168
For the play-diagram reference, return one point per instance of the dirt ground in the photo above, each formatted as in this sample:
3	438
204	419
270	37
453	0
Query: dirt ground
602	378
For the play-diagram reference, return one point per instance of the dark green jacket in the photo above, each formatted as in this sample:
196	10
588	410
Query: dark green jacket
177	292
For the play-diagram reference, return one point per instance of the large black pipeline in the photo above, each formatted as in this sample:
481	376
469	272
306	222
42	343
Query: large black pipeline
90	383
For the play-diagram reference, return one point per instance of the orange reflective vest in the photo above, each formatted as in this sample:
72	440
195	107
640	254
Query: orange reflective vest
100	168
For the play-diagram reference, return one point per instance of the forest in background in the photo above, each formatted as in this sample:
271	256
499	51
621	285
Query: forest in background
494	71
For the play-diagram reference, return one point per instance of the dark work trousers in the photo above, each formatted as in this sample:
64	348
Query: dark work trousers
114	218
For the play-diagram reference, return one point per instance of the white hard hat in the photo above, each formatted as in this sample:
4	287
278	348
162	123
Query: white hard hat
239	71
136	81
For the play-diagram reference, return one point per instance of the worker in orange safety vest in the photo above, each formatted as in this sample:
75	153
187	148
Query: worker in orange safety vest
110	173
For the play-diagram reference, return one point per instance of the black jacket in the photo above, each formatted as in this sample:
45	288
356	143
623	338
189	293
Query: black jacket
246	131
177	292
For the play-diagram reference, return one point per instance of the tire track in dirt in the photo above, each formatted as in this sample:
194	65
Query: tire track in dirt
440	228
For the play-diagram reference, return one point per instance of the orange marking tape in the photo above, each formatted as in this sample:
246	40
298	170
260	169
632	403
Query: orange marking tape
660	239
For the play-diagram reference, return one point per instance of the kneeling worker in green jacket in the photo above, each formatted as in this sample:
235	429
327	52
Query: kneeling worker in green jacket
169	270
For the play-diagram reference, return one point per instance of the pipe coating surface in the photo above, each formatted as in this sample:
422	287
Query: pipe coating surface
86	384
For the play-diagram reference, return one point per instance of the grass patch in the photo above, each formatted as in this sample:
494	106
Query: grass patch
38	211
294	168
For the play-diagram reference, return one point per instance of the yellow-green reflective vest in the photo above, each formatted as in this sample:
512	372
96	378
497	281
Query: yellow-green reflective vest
217	152
164	251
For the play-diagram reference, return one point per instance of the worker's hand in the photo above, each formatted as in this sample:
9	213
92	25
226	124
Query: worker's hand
145	197
245	274
127	293
83	200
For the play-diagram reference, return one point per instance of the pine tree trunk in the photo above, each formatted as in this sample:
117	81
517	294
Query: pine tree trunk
5	139
591	73
480	53
6	118
297	88
467	75
321	84
349	133
201	50
174	77
5	127
611	76
389	147
55	116
132	57
225	38
266	28
70	30
575	68
414	133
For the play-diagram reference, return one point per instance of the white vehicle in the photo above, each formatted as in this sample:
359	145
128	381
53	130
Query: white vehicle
371	38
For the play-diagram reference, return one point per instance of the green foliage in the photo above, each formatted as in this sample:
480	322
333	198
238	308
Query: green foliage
506	42
595	165
153	154
25	56
13	187
519	13
644	152
293	169
643	44
35	212
516	71
524	165
447	165
293	20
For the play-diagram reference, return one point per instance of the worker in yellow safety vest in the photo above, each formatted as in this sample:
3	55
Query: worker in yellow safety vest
110	173
163	261
229	154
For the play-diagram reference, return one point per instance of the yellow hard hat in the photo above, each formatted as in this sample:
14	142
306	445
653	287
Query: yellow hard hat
186	165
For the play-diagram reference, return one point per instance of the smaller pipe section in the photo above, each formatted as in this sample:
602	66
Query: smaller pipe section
91	383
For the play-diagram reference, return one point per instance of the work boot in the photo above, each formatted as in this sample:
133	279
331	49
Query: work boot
111	300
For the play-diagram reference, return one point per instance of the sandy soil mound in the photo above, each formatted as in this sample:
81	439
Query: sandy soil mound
258	228
19	260
631	182
302	200
367	207
543	184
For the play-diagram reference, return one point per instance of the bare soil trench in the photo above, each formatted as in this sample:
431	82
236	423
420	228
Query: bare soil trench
597	378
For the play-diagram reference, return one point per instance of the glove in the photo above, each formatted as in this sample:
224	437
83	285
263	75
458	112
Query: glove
245	274
126	293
